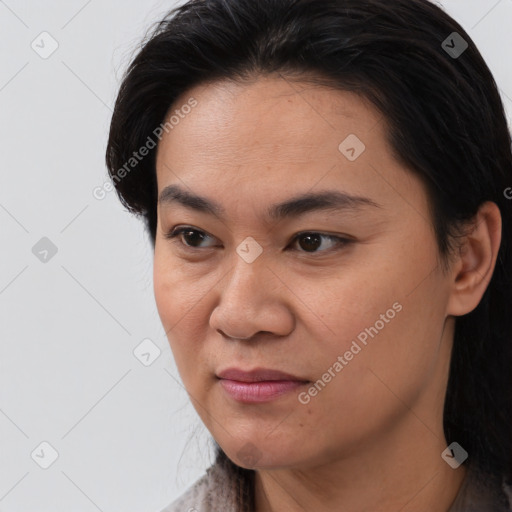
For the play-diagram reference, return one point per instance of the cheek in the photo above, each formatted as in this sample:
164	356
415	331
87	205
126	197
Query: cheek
181	301
166	290
177	293
387	318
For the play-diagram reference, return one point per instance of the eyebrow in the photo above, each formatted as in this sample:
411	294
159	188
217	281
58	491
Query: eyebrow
328	200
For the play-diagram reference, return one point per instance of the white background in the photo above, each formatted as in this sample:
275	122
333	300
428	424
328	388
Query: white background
126	436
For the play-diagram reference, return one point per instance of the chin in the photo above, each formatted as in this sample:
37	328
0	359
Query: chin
260	455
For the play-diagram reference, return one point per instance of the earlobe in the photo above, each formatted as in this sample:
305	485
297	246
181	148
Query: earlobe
474	266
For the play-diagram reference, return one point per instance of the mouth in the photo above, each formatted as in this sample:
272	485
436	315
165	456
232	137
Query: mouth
258	385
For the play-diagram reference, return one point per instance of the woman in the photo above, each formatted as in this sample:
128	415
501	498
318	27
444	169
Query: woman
325	185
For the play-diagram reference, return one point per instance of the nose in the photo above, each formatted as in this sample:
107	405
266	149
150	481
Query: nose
252	300
235	337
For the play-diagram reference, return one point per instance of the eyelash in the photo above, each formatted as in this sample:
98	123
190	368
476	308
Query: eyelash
341	242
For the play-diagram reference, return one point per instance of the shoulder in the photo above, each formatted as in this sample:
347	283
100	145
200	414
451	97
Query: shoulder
211	493
191	499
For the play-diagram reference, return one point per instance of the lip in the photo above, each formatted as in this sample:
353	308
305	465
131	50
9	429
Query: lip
258	385
257	375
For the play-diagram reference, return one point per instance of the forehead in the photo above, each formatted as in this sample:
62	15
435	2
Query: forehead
267	122
275	139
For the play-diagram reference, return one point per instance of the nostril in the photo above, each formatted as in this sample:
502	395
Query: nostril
235	337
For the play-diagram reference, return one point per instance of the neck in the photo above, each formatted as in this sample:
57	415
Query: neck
397	473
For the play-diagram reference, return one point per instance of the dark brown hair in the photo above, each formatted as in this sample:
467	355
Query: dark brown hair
446	123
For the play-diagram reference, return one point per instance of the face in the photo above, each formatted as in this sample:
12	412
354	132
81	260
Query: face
340	290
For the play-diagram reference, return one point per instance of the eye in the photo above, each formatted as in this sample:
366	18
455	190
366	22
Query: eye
190	235
311	241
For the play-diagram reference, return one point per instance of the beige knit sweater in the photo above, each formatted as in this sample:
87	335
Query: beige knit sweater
212	493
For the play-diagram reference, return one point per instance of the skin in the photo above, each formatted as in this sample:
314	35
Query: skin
372	438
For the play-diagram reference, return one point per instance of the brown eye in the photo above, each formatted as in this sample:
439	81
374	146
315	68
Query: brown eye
311	242
193	238
189	237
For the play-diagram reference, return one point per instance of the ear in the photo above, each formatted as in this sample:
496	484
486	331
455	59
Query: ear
472	270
